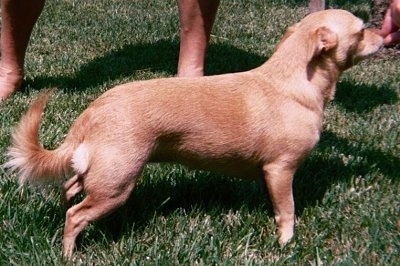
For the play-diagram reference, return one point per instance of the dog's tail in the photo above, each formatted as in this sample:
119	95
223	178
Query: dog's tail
28	158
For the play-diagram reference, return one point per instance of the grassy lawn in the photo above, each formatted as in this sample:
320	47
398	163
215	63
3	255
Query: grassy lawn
346	192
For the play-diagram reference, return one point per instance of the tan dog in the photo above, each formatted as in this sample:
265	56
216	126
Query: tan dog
259	123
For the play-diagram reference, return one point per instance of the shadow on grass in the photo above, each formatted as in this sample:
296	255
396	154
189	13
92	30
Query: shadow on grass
208	194
363	98
320	172
161	56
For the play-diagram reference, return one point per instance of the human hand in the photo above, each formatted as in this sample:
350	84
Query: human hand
391	24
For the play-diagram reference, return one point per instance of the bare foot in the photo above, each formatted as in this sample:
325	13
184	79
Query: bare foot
10	81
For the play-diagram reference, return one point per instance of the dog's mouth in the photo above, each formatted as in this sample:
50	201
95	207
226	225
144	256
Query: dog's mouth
368	44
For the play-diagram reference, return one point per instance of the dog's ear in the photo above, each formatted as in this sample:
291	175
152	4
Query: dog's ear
326	40
289	31
320	41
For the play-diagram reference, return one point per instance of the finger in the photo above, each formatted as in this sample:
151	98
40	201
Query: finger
395	12
392	38
387	25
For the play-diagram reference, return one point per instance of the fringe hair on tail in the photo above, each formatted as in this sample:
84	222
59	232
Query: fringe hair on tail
27	157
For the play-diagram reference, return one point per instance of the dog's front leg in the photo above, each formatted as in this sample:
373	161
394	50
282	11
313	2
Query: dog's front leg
279	178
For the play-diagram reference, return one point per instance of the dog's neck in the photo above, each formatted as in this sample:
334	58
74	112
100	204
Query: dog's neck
324	73
310	80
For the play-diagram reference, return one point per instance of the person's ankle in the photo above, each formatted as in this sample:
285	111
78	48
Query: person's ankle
190	72
10	81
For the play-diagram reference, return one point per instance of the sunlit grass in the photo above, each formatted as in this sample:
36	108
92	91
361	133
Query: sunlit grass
346	192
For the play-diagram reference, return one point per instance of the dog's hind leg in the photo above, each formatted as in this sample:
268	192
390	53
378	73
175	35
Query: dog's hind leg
70	189
105	191
279	178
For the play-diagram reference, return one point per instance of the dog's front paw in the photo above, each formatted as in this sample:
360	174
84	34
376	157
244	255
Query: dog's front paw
285	229
285	237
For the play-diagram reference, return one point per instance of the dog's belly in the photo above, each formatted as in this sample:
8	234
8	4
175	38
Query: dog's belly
234	168
229	164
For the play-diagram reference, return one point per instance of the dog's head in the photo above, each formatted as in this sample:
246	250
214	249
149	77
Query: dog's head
333	33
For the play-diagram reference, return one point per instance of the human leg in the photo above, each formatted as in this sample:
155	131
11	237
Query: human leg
18	19
316	5
196	21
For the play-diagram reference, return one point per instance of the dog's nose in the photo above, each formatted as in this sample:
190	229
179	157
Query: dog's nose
375	34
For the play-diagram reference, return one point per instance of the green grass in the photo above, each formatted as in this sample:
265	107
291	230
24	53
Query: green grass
346	192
